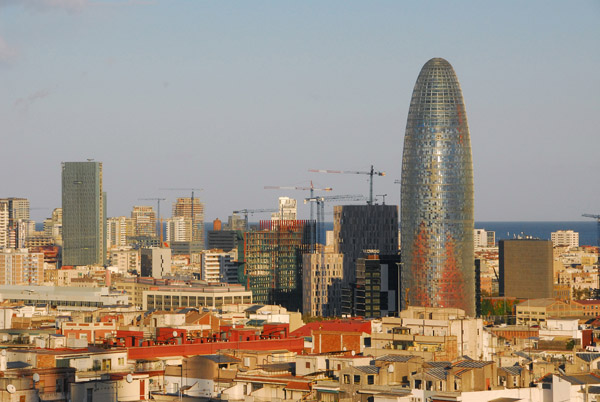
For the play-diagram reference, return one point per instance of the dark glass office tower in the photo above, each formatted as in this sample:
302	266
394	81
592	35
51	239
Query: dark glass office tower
437	194
84	214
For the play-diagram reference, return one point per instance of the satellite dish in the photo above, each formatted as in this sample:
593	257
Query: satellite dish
11	389
353	353
3	352
129	378
36	377
174	333
391	368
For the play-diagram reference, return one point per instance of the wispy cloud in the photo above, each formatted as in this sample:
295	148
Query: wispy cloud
25	103
7	53
44	5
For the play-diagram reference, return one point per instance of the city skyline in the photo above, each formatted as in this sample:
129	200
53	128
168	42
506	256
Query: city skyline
155	90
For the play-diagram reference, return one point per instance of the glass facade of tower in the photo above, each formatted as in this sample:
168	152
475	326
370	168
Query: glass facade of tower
437	194
84	214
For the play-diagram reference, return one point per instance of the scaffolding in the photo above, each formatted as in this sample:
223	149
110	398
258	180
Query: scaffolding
273	261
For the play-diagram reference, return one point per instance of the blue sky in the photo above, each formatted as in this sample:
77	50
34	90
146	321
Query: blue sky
233	96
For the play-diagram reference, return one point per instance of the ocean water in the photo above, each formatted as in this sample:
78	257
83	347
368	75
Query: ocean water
588	230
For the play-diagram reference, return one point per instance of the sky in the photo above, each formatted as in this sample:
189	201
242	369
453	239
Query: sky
234	96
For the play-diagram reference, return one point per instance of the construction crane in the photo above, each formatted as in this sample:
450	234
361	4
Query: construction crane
192	189
320	201
312	190
247	212
597	217
158	220
382	196
370	173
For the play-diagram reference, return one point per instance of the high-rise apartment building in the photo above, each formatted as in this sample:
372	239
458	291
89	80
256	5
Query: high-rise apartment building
84	214
437	194
565	238
484	238
144	221
4	237
218	266
363	229
53	226
179	229
19	226
126	259
20	267
322	284
194	211
118	230
288	210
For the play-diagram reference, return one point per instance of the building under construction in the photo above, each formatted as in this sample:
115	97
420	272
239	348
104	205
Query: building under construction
273	261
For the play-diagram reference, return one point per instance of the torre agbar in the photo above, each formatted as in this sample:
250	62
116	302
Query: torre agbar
437	195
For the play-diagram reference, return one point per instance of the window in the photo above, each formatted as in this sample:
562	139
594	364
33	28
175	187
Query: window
370	379
357	379
346	378
307	365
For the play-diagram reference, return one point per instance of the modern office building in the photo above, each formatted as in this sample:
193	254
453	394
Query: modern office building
144	220
84	214
225	240
210	296
363	229
55	296
526	268
155	262
376	291
567	238
437	194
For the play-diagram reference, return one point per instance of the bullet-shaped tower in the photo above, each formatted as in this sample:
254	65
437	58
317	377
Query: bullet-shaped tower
437	194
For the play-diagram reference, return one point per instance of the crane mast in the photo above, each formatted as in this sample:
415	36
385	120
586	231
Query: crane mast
372	172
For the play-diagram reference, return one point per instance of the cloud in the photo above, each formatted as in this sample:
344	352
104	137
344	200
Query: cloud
7	53
25	103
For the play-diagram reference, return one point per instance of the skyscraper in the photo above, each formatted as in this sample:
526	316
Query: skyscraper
437	194
84	214
184	208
